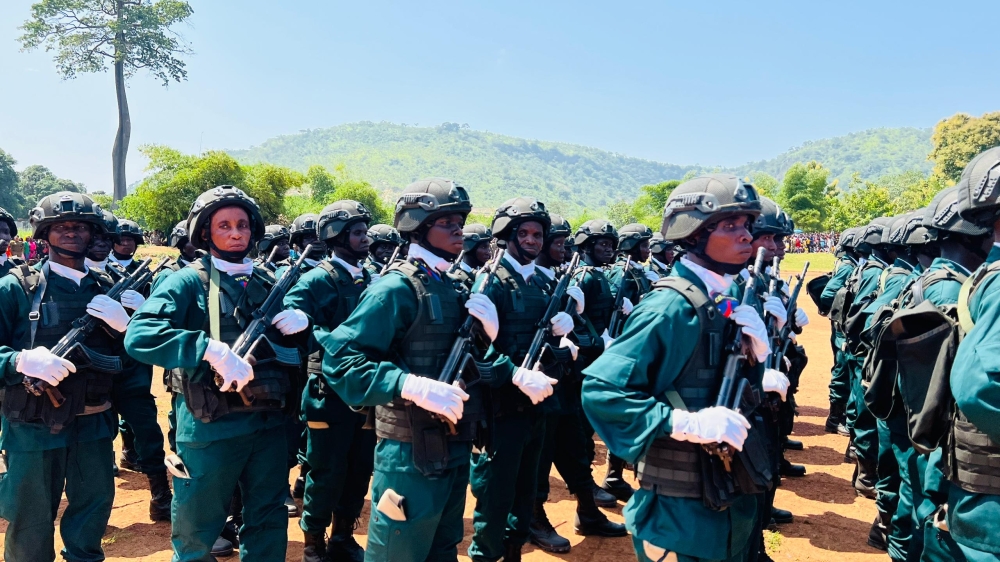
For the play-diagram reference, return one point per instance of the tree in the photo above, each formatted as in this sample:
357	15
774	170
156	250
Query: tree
321	182
803	195
620	213
130	35
958	139
765	184
648	206
863	202
11	198
37	182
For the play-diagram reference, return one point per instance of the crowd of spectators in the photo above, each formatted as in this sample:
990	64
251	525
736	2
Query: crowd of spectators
812	242
30	250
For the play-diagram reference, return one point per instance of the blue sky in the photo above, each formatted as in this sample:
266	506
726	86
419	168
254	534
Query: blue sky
694	82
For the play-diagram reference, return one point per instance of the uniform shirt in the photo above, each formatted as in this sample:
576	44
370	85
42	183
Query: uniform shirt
633	278
842	273
894	284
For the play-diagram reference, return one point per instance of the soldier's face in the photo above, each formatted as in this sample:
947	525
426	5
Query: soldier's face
125	246
74	236
189	251
779	247
445	234
604	251
557	249
730	242
383	252
482	253
100	247
530	237
643	250
283	249
230	229
765	241
357	238
310	238
4	236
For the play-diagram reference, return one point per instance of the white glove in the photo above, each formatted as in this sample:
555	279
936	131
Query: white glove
482	308
785	290
627	306
608	340
110	311
774	307
444	399
534	384
231	367
132	299
801	318
711	425
562	324
753	327
290	321
576	293
42	364
775	381
652	276
565	342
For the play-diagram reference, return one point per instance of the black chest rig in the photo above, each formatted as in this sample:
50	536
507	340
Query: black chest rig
635	279
600	307
521	307
348	297
54	312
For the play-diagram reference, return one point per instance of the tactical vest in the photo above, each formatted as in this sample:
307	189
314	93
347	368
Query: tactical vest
88	390
842	300
271	386
464	277
661	271
638	278
521	307
853	317
600	307
348	296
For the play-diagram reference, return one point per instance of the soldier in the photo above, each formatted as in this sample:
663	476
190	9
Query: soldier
127	240
179	239
661	255
649	395
382	243
840	385
476	252
340	449
8	230
51	446
302	234
273	250
224	438
389	354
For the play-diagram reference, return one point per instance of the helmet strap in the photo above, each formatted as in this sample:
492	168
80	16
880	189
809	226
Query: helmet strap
717	266
343	242
229	256
422	233
521	252
68	253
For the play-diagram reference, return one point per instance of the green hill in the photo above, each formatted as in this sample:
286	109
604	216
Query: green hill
567	177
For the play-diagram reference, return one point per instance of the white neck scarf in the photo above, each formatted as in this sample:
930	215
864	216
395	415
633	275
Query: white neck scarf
419	253
73	275
717	284
245	268
525	271
355	271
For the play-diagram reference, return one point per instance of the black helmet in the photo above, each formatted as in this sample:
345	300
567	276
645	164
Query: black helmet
65	206
475	234
127	228
942	214
707	199
911	231
631	235
9	219
871	234
594	229
272	233
338	216
848	239
979	197
425	200
560	227
214	199
302	225
787	223
771	219
384	234
179	235
515	211
111	223
658	244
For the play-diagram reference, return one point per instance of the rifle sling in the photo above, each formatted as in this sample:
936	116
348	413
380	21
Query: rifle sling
213	303
36	303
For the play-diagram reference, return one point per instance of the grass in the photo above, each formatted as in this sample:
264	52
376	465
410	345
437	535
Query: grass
772	542
820	262
155	251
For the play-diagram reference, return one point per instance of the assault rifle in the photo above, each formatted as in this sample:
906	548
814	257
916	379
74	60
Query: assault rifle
253	345
71	347
458	262
392	258
733	386
537	347
617	317
772	291
269	262
783	338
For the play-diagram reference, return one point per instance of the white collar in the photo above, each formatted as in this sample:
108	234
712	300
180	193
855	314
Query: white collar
862	261
355	271
73	275
123	263
525	271
717	284
417	252
465	267
658	262
98	265
3	259
546	271
245	268
311	262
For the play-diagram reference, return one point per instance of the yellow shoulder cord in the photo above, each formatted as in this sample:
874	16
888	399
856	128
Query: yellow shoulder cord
213	302
881	280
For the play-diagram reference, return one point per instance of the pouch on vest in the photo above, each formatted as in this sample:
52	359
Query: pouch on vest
815	288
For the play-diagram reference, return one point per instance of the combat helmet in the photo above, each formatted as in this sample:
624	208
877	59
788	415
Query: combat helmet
911	232
942	215
594	229
65	206
631	235
707	199
111	223
9	219
214	199
560	227
658	244
516	211
871	234
979	196
129	229
384	234
302	225
771	219
272	234
179	235
337	217
475	234
848	239
895	227
424	201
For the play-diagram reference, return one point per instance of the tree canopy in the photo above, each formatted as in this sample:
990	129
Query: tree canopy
11	197
958	139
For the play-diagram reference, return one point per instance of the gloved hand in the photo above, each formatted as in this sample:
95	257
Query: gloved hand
576	293
627	306
534	384
110	311
652	276
42	364
775	381
565	342
711	425
132	299
482	308
774	307
801	318
290	321
753	327
444	399
608	340
231	367
562	324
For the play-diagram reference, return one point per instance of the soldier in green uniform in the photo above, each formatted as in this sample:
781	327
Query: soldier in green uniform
180	240
8	230
649	395
50	448
126	241
340	450
382	243
389	353
232	432
302	234
274	250
476	252
840	385
661	255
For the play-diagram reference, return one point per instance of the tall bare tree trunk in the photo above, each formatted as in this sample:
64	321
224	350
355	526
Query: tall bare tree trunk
120	150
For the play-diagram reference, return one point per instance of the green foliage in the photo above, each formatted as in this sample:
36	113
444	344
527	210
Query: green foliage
803	195
766	184
102	199
37	182
620	213
366	195
11	198
958	139
648	206
864	202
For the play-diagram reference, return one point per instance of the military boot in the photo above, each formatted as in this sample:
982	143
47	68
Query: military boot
291	506
837	420
511	551
128	460
603	498
865	477
543	534
879	533
591	521
315	548
342	546
614	482
222	548
160	496
850	454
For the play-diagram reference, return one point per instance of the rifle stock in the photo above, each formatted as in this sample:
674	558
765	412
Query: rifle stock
534	355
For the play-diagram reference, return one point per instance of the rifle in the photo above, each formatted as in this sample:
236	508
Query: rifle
392	258
615	326
537	347
252	341
458	262
731	390
459	353
269	262
70	346
783	338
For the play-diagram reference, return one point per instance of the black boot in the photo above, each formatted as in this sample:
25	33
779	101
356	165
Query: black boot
837	420
511	552
781	516
128	459
604	499
792	445
315	548
591	521
160	496
614	482
879	533
850	454
789	470
231	531
222	548
291	506
865	479
342	546
299	489
543	534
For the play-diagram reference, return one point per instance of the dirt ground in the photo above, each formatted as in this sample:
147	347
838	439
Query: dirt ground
831	523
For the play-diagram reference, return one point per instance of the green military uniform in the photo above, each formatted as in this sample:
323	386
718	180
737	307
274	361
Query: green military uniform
635	286
840	382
